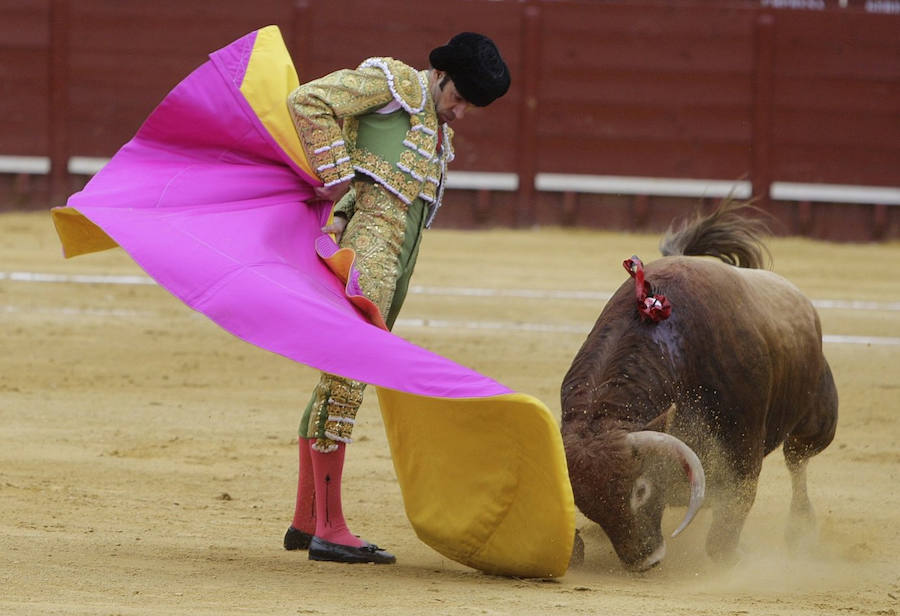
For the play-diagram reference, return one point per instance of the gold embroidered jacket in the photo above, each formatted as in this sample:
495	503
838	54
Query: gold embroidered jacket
325	114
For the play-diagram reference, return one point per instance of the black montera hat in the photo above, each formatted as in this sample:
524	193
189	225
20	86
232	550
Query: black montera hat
474	64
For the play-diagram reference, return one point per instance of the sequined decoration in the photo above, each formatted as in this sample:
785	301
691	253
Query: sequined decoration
376	232
325	111
325	114
335	405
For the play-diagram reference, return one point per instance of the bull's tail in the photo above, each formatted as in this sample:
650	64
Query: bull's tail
724	234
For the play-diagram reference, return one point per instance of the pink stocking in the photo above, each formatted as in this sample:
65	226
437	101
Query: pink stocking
305	509
330	523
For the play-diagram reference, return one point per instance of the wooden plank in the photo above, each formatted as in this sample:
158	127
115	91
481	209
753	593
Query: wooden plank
649	86
646	90
24	24
850	45
836	108
660	158
644	122
817	163
174	26
24	91
839	94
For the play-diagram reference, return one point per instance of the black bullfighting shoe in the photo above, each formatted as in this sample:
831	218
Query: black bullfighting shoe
296	539
319	549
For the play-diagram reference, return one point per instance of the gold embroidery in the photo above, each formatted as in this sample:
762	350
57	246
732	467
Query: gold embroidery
389	176
335	404
429	192
376	211
407	85
318	107
376	233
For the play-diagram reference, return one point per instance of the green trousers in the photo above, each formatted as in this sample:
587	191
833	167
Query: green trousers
385	234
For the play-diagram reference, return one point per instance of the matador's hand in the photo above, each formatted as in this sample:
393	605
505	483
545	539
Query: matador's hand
337	226
334	192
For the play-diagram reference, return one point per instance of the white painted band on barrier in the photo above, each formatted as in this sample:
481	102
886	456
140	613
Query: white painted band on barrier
579	183
38	165
835	193
482	180
632	185
86	165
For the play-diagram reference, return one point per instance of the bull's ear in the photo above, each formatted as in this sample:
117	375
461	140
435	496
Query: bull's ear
663	421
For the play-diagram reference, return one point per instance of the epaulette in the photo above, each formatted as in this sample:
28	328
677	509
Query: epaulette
407	88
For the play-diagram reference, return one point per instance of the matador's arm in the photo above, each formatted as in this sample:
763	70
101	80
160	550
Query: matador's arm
319	107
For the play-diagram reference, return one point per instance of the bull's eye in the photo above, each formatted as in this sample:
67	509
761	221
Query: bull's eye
640	493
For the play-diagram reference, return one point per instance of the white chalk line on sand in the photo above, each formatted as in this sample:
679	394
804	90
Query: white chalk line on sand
579	329
427	323
427	290
822	304
561	328
75	278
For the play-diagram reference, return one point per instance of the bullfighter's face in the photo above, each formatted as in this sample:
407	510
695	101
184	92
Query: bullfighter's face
448	102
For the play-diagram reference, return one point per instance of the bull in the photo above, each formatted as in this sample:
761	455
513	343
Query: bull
700	368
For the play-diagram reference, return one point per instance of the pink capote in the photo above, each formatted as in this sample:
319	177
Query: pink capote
212	208
212	200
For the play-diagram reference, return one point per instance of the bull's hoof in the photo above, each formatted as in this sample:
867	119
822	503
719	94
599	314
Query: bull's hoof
724	557
577	558
723	545
801	533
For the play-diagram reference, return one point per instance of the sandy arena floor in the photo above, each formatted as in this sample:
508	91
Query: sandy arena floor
148	459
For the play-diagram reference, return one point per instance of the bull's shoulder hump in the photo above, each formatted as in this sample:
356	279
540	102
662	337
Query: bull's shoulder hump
771	279
711	267
709	273
690	268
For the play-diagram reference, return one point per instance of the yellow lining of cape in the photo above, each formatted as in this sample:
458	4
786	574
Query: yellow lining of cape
269	79
77	234
484	480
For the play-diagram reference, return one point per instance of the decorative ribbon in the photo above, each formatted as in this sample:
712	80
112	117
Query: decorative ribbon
651	307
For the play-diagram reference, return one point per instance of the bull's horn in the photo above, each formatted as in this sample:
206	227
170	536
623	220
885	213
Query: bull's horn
671	447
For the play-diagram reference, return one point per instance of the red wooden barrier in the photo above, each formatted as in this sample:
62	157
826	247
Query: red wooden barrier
722	90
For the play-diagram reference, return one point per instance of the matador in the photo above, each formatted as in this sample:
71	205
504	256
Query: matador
379	138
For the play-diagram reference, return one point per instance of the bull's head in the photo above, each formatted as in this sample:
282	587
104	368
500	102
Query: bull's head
614	485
